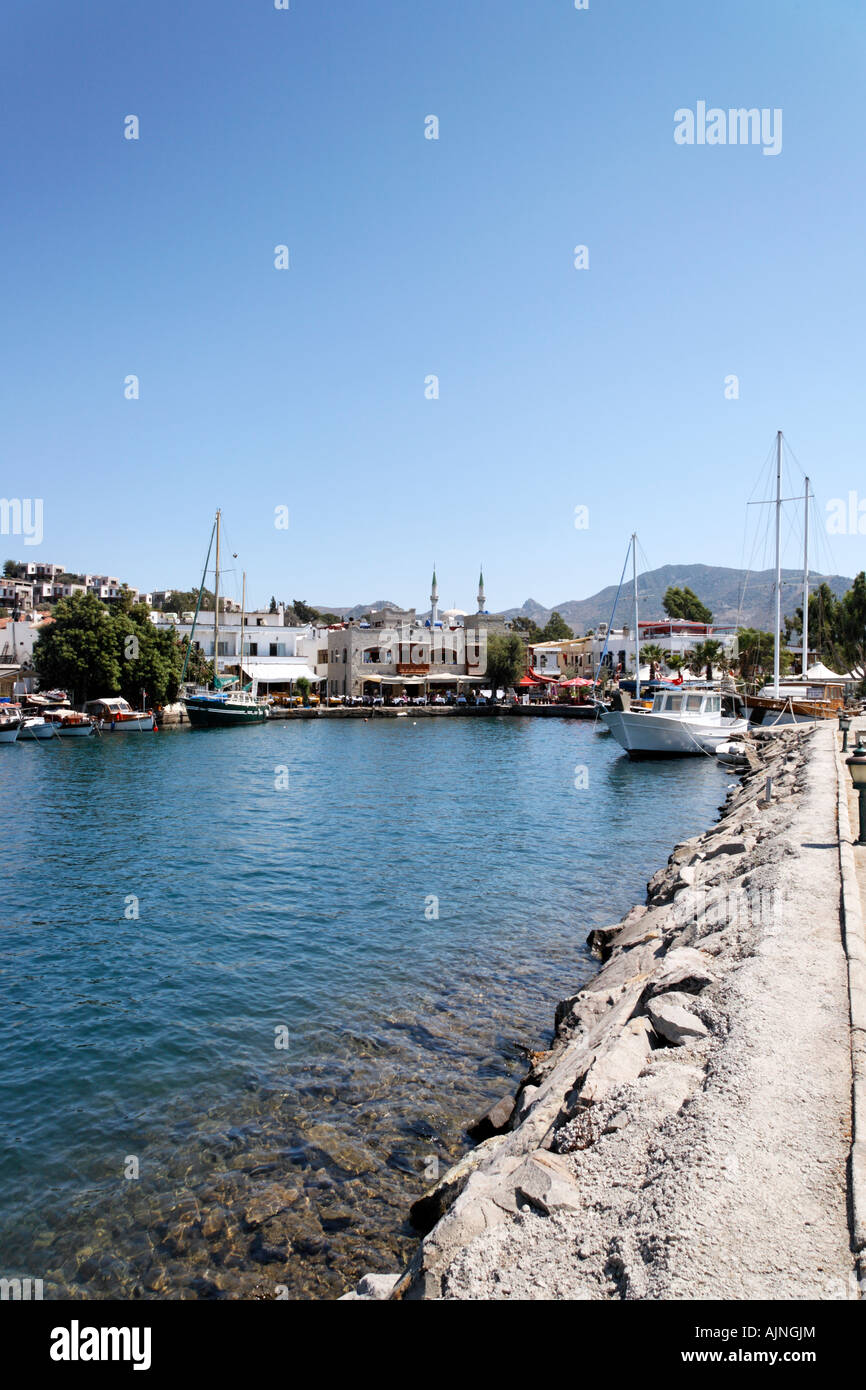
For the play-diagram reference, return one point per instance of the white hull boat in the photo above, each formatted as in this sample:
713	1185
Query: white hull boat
36	728
70	725
678	725
9	731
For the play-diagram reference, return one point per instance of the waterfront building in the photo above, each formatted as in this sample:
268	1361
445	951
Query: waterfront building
393	651
266	651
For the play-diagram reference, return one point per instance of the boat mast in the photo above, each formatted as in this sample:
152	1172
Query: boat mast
778	642
636	634
216	606
806	584
197	604
243	620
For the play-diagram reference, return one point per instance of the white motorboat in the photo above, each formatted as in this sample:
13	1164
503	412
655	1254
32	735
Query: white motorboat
35	727
677	725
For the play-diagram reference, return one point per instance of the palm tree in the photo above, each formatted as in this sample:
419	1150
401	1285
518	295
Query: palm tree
703	657
675	661
654	655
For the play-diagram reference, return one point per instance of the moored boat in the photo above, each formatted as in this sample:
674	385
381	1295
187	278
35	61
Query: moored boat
69	723
10	722
678	725
35	727
216	708
226	704
114	715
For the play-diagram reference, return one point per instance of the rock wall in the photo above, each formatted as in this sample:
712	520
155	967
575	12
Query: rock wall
575	1189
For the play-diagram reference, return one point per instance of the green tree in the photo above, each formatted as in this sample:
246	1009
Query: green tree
556	629
756	651
654	655
272	606
185	600
79	651
198	669
528	626
12	569
305	613
92	651
683	603
303	688
675	661
704	657
506	659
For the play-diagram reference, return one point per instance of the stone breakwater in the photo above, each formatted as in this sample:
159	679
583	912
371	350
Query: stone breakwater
688	1133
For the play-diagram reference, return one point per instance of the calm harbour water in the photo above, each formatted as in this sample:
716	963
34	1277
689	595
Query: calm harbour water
287	1037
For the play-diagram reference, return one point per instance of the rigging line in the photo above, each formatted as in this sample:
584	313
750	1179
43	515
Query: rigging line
765	471
612	613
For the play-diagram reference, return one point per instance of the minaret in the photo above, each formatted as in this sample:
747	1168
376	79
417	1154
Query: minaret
481	598
434	600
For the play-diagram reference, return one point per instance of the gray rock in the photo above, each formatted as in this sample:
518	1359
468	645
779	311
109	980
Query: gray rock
621	1061
432	1206
495	1121
673	1020
377	1286
545	1181
684	969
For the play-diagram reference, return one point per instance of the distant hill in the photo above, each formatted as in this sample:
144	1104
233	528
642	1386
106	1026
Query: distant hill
731	595
359	609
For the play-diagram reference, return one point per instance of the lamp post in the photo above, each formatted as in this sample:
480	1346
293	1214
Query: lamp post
857	767
844	725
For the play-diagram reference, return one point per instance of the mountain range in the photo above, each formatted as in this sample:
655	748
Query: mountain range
733	596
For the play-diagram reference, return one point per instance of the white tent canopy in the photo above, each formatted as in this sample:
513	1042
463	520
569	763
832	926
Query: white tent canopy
278	672
819	672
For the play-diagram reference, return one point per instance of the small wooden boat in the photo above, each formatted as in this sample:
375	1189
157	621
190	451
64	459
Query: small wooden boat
69	723
35	727
113	715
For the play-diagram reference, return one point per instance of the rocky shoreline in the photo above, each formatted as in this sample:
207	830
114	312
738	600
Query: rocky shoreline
688	1132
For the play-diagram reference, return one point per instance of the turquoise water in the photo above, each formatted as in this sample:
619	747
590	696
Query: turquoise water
244	1085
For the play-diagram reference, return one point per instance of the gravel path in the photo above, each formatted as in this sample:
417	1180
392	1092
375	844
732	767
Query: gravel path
721	1171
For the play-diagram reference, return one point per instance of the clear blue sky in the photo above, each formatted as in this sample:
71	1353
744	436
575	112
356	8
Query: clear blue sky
408	257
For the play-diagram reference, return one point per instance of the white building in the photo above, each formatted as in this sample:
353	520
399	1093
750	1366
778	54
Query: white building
272	655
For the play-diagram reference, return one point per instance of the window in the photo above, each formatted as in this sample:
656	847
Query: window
693	703
254	648
272	649
344	662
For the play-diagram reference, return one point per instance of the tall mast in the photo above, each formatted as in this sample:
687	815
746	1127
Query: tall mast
243	620
636	634
778	642
216	604
806	583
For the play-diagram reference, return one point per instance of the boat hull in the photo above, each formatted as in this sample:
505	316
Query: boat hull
9	735
139	724
36	731
657	736
74	730
217	714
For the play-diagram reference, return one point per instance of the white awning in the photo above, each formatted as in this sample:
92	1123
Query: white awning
278	672
403	680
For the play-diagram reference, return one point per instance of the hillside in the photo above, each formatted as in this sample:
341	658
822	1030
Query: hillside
722	590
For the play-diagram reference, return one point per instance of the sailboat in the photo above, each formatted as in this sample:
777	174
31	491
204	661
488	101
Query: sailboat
809	696
225	704
681	723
